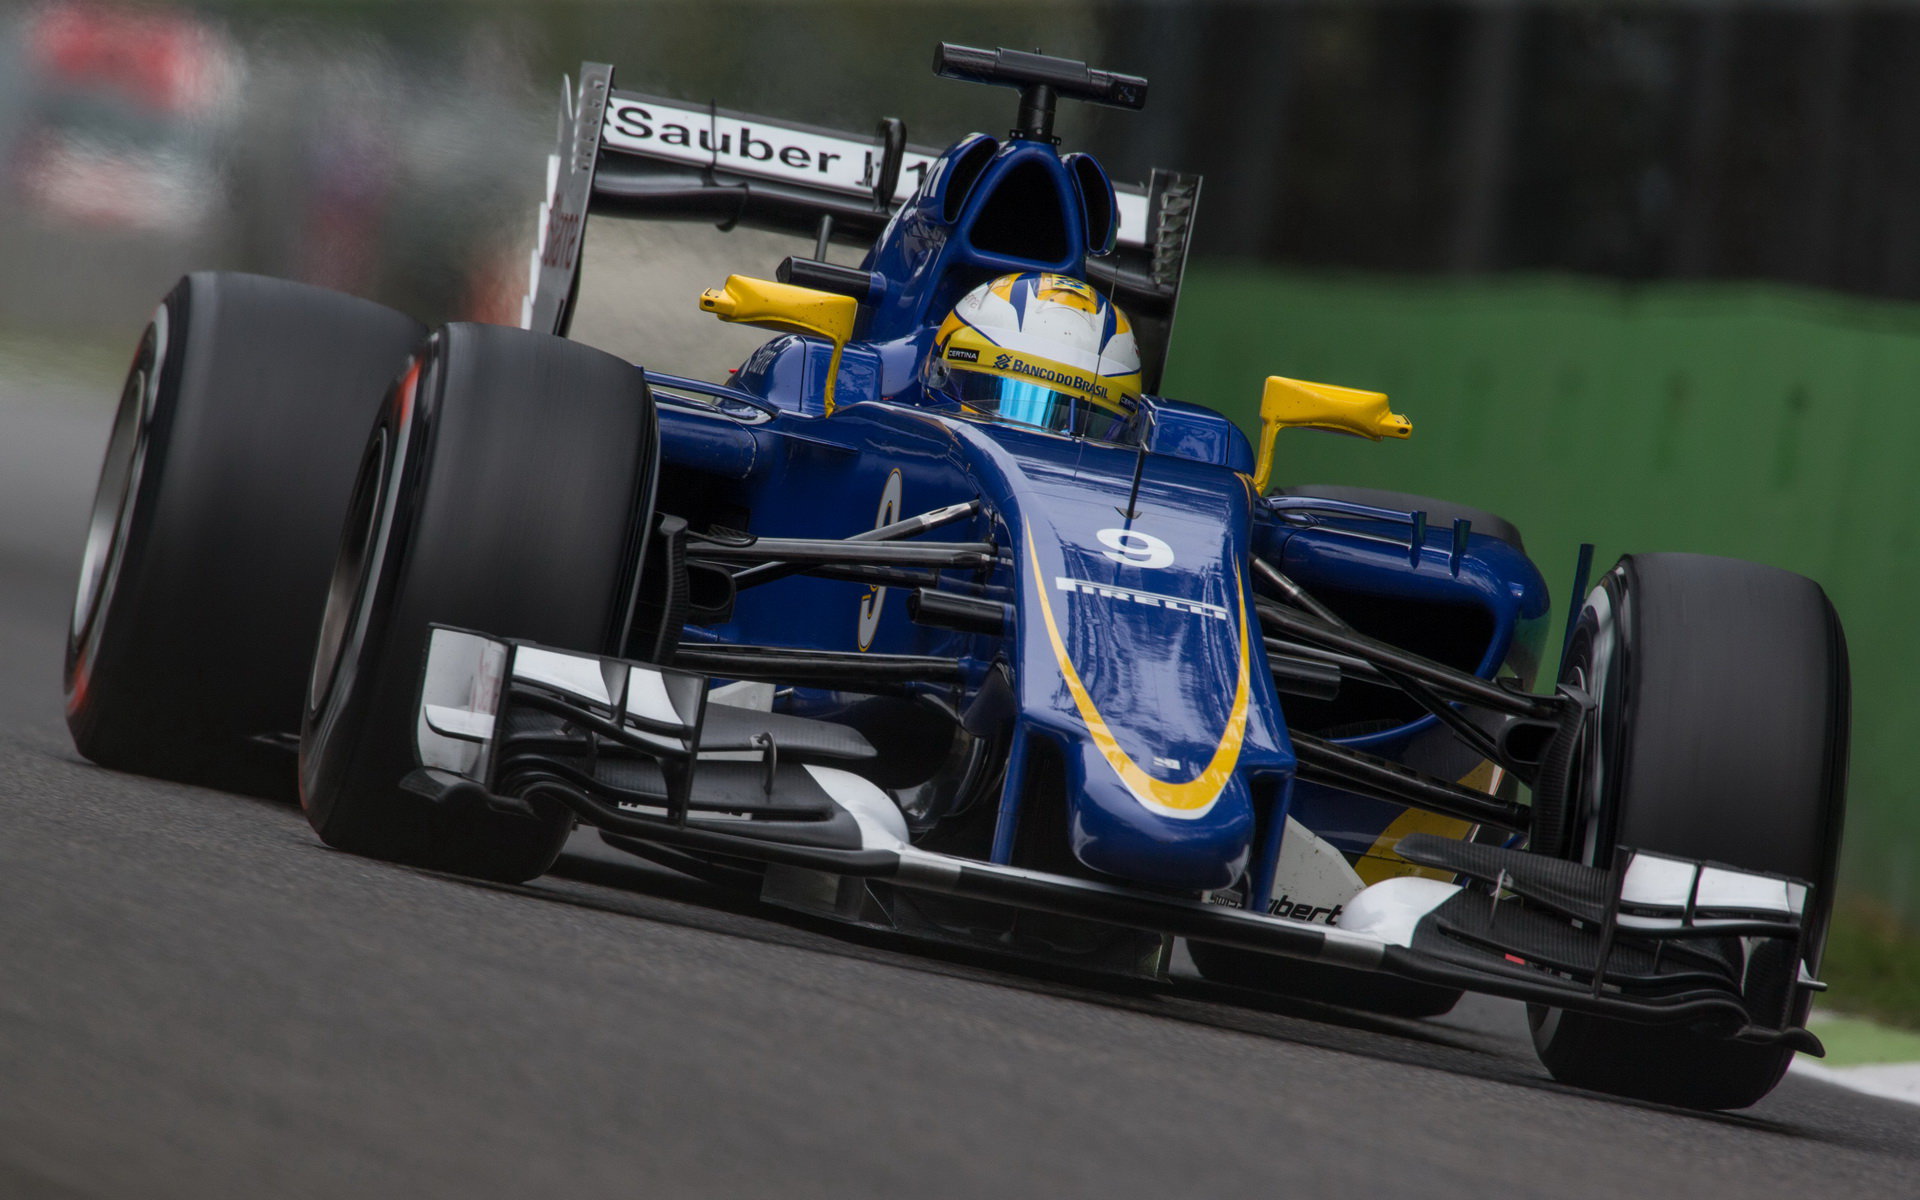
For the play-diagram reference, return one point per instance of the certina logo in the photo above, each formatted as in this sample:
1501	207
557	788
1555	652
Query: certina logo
1007	362
962	354
1150	599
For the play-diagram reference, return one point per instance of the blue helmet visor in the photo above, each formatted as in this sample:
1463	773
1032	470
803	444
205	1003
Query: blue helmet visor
1023	402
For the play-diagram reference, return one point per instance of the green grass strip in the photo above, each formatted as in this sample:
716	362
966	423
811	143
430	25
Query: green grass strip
1873	969
1857	1041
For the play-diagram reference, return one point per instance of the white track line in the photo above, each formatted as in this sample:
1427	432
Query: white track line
1894	1081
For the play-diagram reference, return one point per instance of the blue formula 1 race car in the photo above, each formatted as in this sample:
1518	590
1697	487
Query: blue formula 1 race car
936	618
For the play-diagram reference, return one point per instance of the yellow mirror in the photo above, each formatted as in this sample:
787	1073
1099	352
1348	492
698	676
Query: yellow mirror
790	309
1289	403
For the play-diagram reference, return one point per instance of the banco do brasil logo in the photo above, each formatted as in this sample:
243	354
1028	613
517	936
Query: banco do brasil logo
1007	362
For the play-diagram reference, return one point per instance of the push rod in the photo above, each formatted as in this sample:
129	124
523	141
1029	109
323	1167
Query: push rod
1350	667
831	668
1337	766
807	552
1458	685
1417	689
933	519
904	577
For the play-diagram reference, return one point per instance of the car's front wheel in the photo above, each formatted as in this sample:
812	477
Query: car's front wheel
506	489
1718	734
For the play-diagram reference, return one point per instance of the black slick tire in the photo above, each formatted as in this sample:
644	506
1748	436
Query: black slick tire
219	505
1719	734
506	489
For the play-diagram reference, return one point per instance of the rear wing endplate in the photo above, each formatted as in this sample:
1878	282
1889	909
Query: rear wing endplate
628	154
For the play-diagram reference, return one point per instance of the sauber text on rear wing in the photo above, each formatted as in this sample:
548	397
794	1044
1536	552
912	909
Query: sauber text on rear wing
627	154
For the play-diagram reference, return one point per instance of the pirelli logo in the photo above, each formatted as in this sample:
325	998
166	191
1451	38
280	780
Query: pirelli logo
1150	599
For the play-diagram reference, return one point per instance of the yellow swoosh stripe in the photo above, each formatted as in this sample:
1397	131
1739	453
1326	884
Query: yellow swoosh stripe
1382	861
1185	800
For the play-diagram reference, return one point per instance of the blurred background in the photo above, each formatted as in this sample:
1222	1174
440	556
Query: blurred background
1643	274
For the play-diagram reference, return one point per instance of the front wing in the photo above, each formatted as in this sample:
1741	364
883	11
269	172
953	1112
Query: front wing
643	753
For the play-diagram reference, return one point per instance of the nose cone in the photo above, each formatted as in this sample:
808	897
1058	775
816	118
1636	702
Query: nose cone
1136	653
1118	832
1156	793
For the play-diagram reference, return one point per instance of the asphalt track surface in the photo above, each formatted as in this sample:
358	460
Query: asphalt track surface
199	1000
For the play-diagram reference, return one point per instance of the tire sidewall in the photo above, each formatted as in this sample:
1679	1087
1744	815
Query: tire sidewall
188	660
339	706
1612	802
100	634
503	453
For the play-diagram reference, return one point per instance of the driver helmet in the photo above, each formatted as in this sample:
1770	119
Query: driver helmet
1041	350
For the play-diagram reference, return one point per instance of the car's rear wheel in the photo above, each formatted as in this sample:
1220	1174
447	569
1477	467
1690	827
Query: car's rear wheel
1719	733
218	509
505	489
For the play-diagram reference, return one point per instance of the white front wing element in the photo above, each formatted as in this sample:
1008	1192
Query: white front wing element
466	673
1658	895
1389	910
881	825
1661	893
1311	879
459	699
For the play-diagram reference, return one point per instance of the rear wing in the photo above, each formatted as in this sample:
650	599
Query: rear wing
633	155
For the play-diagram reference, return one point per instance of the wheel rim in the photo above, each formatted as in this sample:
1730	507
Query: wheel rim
1589	667
1572	791
341	622
1590	780
353	586
113	505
